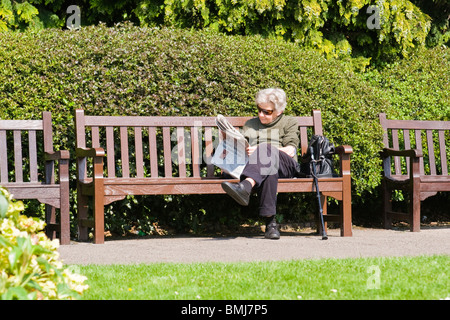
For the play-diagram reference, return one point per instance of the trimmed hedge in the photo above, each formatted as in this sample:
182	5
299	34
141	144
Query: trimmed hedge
128	70
138	71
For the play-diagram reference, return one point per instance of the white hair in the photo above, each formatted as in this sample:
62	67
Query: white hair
275	95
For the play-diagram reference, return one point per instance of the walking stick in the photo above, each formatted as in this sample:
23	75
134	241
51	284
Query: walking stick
313	163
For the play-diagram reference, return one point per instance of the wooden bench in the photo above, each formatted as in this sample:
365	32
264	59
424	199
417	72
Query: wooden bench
171	155
422	147
24	140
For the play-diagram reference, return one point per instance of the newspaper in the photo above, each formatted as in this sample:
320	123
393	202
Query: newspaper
230	154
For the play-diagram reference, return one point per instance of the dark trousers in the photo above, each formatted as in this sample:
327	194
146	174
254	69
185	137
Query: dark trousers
266	164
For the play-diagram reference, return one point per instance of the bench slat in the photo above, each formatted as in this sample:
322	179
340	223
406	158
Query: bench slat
431	157
124	152
167	152
110	152
153	152
95	137
143	121
317	122
195	151
3	158
303	140
176	185
209	152
32	149
181	152
417	124
407	141
395	145
18	169
443	152
138	152
418	136
21	125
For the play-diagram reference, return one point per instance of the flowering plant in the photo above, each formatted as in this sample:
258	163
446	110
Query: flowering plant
29	262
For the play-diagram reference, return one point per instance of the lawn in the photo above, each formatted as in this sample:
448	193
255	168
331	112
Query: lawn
425	277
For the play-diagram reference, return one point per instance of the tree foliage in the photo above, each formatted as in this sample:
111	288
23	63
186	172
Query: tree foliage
335	28
365	30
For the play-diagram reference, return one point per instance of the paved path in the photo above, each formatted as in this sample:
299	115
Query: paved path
364	243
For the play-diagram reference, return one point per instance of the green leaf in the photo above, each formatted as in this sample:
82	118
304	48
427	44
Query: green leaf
4	204
18	293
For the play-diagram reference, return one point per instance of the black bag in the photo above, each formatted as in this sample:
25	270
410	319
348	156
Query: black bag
320	150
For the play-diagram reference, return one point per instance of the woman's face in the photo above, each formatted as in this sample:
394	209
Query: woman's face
267	113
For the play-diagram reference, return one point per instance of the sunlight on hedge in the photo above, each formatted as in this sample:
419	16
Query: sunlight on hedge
29	261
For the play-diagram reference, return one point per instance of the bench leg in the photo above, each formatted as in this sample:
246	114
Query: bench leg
387	205
64	220
346	214
82	208
99	217
414	211
99	196
64	209
50	219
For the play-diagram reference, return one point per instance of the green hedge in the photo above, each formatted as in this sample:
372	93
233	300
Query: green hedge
128	70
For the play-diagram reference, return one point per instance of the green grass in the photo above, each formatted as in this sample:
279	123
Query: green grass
425	277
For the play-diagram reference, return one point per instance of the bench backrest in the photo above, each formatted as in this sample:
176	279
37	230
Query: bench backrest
19	140
138	146
430	137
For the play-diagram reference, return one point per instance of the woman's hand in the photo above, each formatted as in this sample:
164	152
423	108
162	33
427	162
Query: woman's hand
250	150
290	150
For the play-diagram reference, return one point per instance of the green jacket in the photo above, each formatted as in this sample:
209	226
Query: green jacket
282	132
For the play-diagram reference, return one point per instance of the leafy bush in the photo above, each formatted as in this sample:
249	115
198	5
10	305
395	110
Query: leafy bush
128	70
29	261
417	88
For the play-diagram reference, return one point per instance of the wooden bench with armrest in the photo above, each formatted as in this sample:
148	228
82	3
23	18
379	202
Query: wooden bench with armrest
424	176
134	155
22	139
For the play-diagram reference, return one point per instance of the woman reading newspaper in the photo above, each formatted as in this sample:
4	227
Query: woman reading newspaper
272	153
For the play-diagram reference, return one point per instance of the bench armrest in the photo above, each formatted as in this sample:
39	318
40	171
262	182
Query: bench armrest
97	154
90	152
388	152
344	149
344	152
57	155
413	154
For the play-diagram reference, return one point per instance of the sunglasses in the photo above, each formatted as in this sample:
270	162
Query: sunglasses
266	112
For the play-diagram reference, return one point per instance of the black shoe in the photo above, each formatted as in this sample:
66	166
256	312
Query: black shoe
272	231
237	192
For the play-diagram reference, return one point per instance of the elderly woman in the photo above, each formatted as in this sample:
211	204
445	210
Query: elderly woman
273	142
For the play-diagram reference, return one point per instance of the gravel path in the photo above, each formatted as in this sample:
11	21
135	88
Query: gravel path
365	242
